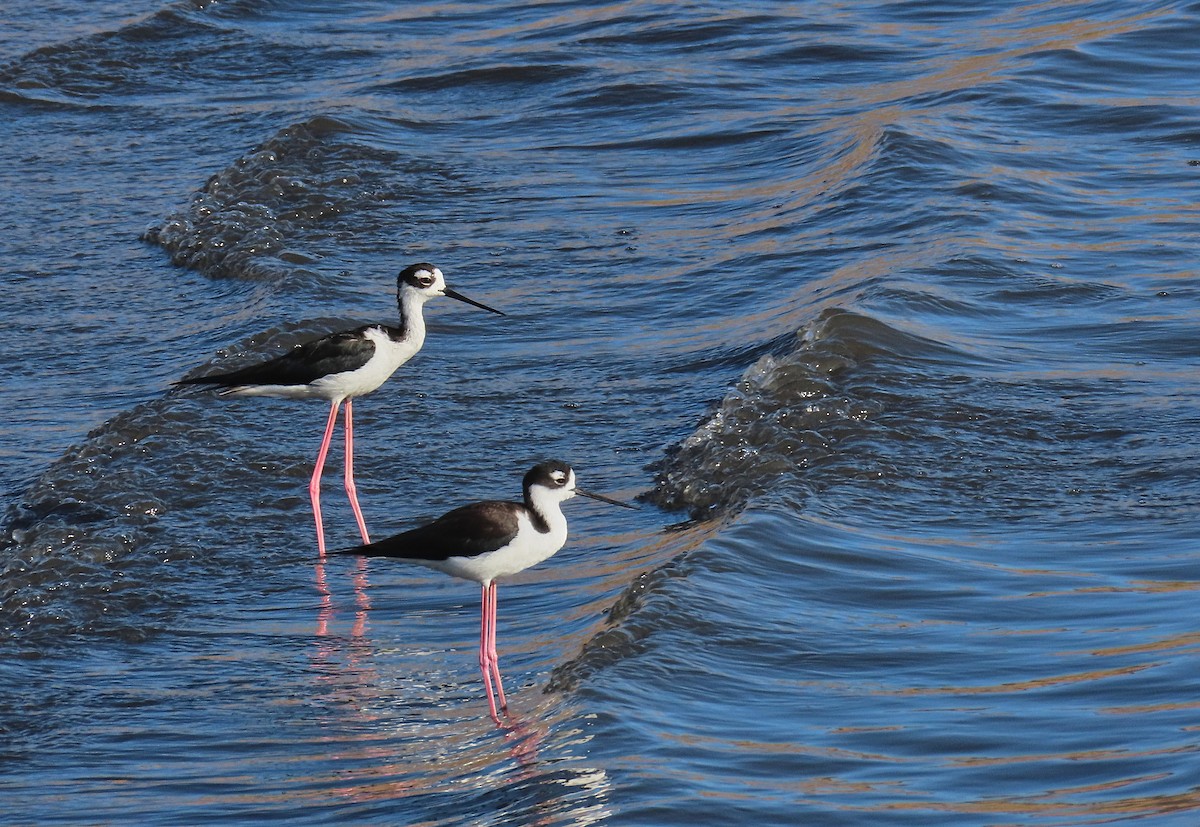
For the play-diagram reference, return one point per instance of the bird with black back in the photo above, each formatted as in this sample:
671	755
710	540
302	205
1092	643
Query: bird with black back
488	540
341	366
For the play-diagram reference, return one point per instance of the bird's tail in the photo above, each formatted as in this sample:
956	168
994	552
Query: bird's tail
366	550
199	380
220	382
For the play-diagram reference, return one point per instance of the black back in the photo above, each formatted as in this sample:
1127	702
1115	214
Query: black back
472	529
304	363
464	532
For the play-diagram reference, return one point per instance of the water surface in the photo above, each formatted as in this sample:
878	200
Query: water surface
885	312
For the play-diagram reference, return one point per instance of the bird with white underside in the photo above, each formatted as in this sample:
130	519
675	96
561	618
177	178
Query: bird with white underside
341	366
488	540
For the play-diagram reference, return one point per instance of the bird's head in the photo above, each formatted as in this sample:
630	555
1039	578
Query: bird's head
554	480
423	282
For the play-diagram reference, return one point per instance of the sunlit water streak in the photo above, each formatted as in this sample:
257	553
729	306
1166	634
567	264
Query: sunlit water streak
886	313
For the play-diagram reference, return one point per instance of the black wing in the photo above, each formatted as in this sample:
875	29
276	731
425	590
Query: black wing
464	532
303	364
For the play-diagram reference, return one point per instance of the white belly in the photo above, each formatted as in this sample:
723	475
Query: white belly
528	549
389	355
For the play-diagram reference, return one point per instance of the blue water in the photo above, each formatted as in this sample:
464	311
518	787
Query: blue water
885	313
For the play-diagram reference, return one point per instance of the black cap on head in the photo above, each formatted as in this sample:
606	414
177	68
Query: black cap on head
552	473
416	275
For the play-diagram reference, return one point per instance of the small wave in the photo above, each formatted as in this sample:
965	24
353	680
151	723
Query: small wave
623	96
787	414
112	62
703	140
238	224
107	542
72	556
185	46
723	29
490	76
46	98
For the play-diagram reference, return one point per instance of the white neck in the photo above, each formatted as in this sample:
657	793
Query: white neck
411	304
547	504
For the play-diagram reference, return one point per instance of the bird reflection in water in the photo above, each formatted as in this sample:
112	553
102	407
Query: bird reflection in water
382	747
362	600
517	781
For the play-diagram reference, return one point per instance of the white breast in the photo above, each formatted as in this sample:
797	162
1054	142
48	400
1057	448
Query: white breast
389	355
527	549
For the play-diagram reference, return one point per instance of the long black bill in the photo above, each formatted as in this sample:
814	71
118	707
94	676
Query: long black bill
454	294
602	498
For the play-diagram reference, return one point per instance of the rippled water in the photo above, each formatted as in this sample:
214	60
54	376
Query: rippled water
886	313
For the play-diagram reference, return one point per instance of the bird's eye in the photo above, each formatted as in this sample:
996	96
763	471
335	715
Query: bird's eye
425	281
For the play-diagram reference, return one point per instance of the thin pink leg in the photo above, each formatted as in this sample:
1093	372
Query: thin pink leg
350	487
484	665
493	658
314	485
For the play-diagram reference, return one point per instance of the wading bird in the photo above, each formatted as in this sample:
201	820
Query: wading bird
487	540
341	366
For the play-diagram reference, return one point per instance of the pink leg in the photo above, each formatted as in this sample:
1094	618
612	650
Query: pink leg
314	485
493	658
484	665
350	487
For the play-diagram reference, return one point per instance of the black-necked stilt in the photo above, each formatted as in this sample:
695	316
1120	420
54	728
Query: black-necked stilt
341	366
487	540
